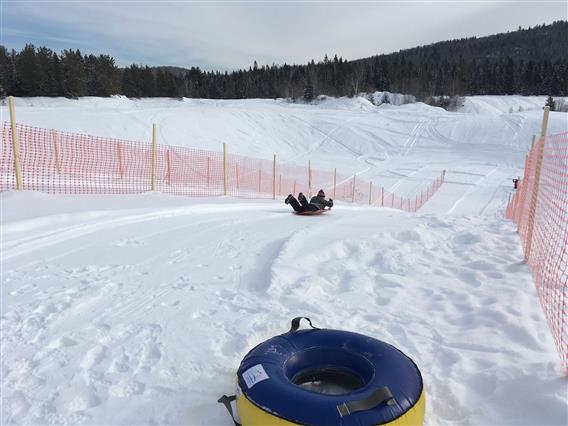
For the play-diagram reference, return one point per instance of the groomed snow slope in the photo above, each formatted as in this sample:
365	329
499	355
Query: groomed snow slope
138	309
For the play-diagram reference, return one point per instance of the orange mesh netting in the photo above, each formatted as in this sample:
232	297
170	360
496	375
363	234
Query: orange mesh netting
540	208
70	163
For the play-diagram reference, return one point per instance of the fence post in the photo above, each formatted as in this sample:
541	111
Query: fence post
280	185
370	191
392	200
274	178
237	175
353	192
154	156
224	168
169	168
15	144
382	196
534	197
309	178
55	151
294	192
259	179
334	181
416	203
119	159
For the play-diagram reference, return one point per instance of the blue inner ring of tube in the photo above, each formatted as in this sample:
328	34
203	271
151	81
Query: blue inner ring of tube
330	371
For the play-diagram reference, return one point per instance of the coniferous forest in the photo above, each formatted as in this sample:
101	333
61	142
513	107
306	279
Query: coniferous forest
531	61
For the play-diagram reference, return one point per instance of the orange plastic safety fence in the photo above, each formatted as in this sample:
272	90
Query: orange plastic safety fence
62	162
541	211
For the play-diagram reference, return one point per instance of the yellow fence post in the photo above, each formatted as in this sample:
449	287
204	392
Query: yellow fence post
15	144
237	175
370	191
224	168
274	178
119	159
309	178
353	192
154	156
534	197
168	168
208	171
55	151
334	181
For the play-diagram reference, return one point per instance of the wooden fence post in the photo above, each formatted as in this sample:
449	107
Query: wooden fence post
382	196
392	200
208	171
309	178
259	179
280	185
119	159
353	192
370	191
168	168
294	192
154	156
55	151
274	178
534	197
416	203
237	175
334	181
15	144
224	168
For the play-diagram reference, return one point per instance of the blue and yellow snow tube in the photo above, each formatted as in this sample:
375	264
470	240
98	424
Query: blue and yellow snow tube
328	377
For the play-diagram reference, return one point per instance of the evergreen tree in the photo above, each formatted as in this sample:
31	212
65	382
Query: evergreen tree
550	103
73	74
30	77
309	90
7	72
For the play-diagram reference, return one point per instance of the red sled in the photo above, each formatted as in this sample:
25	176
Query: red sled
312	213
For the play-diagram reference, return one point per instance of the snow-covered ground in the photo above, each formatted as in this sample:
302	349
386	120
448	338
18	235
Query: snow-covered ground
138	309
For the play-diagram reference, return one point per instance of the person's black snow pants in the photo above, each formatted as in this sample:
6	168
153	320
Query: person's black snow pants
302	206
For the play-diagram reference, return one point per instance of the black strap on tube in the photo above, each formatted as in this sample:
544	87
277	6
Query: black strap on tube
380	396
226	401
296	324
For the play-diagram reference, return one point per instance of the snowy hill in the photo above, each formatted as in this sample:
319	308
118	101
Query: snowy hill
138	309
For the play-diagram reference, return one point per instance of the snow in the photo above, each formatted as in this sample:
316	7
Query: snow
138	309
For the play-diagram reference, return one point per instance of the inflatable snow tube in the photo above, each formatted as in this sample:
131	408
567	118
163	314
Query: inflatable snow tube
328	377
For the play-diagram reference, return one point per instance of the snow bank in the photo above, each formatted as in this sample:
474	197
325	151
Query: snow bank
138	310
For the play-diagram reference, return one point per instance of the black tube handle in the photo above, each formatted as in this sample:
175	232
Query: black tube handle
226	401
380	396
296	324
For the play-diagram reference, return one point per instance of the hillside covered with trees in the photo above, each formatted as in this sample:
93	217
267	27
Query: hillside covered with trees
531	61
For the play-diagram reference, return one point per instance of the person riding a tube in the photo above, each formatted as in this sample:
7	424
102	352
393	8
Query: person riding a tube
316	203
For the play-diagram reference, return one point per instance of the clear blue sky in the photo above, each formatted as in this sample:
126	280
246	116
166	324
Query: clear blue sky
226	35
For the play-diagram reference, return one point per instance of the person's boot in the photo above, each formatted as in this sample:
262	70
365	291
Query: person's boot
287	200
300	196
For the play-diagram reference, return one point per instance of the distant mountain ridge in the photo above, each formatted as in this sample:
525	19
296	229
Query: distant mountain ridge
531	61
